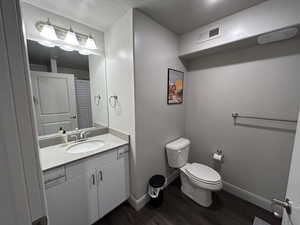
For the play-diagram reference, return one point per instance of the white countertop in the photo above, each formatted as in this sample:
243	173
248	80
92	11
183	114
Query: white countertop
56	155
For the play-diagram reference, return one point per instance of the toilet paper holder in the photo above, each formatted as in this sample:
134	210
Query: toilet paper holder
218	156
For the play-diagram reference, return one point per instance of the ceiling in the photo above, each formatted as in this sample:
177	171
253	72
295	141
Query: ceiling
41	55
180	16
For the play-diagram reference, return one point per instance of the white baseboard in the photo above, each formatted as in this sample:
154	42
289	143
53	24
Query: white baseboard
247	196
172	177
255	199
138	204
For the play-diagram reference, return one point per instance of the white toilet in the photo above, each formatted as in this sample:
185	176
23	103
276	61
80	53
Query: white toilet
198	180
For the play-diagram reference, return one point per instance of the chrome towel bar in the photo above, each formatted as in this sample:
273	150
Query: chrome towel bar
237	115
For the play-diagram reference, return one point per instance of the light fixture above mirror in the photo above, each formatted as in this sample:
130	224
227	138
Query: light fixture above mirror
66	39
90	43
48	31
71	38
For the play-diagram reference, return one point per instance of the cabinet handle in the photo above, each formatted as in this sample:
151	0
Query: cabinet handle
100	175
93	179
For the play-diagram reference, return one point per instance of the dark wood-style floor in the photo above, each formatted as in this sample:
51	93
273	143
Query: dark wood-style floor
178	209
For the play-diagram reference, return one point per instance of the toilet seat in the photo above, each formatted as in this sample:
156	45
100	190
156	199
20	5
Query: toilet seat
202	174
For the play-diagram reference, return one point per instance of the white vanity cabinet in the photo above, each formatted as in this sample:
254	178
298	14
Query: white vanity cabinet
82	192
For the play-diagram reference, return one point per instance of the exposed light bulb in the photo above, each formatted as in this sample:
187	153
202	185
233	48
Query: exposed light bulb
66	48
90	43
47	44
48	31
71	38
85	52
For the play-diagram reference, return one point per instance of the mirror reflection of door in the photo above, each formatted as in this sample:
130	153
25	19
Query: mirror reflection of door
69	89
55	101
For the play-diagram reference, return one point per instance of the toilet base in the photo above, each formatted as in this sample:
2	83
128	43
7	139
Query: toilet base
199	195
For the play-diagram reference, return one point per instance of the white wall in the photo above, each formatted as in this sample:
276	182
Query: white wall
98	87
156	50
120	73
265	17
120	81
32	14
263	80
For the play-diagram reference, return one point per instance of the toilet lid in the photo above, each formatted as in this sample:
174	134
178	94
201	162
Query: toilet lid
203	173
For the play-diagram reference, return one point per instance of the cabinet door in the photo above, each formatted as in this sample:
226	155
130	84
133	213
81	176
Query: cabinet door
74	202
113	184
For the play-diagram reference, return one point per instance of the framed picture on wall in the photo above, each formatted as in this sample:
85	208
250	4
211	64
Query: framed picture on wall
175	87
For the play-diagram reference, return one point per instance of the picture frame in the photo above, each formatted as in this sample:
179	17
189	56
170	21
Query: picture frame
175	87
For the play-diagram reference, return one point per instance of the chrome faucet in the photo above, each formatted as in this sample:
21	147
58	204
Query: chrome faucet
78	137
83	135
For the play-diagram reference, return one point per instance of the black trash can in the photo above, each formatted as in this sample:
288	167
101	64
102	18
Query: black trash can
155	190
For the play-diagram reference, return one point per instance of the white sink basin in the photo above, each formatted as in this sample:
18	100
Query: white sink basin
86	146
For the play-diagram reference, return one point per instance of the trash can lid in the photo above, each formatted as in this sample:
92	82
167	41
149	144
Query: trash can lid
157	181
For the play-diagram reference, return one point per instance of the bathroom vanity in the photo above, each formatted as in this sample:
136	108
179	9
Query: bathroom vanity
83	187
86	178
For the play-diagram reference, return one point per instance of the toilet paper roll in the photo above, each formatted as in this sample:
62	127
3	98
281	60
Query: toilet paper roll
217	157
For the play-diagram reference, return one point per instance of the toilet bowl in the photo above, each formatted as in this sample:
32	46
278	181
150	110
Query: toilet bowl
197	180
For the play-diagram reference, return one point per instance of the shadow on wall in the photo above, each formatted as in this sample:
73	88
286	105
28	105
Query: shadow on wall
267	51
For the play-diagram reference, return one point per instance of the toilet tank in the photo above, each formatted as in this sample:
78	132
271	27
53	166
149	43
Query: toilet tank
178	152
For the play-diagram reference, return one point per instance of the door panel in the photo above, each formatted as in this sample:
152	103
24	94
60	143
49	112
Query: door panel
113	184
293	192
55	101
73	202
53	95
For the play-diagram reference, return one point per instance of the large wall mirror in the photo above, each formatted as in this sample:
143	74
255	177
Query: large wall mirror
69	89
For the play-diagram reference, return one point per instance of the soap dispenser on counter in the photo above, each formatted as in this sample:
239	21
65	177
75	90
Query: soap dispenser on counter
64	134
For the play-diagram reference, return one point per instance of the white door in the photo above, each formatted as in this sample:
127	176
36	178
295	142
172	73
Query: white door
74	202
55	101
113	184
293	190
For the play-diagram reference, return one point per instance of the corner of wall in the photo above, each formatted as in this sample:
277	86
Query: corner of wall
139	203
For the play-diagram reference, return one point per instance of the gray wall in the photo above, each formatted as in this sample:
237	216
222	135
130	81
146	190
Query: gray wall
262	80
156	49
